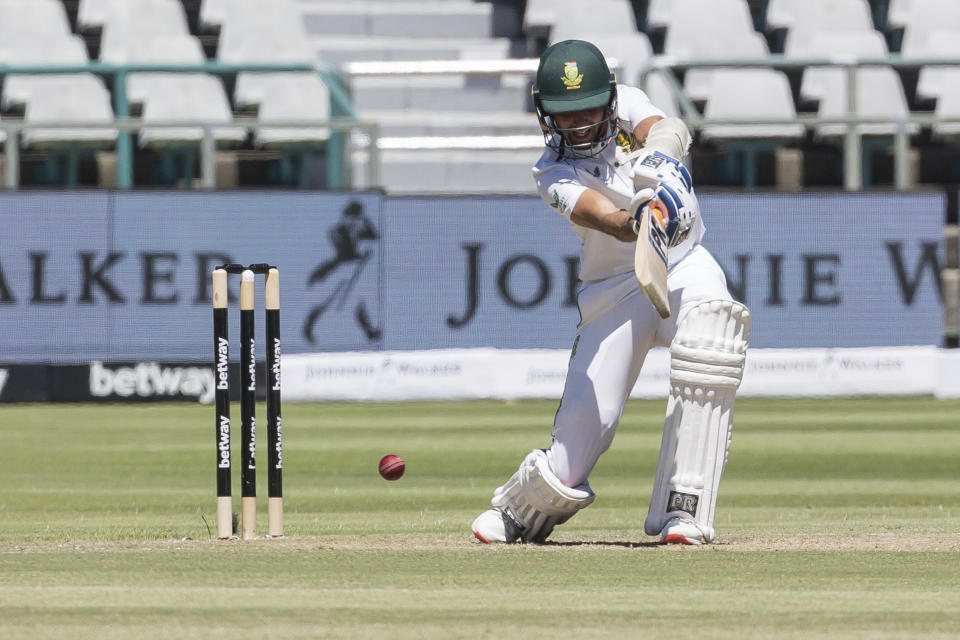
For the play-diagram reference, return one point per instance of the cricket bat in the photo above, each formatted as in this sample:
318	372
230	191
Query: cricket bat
650	260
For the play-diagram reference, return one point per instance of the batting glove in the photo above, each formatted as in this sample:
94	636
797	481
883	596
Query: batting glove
680	205
654	168
682	209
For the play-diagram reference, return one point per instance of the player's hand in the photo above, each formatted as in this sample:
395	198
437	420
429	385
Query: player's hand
674	209
638	204
654	168
681	207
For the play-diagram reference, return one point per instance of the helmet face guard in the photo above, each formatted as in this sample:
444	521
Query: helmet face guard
573	76
556	137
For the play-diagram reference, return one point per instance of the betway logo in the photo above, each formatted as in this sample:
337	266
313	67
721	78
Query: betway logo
223	363
252	367
150	380
223	443
276	364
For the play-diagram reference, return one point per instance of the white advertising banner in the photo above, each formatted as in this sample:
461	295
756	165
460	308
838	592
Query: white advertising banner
461	374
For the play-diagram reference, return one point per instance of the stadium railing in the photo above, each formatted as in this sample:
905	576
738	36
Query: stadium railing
852	151
346	120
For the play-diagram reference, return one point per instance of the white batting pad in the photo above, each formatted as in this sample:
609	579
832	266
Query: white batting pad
536	500
706	364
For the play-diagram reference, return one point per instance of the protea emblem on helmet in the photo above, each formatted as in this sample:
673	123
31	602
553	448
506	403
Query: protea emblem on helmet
571	75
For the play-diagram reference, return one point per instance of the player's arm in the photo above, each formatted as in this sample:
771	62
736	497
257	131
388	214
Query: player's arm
641	130
594	210
669	136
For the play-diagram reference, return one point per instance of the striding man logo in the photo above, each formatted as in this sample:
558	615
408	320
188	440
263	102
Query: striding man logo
571	75
354	240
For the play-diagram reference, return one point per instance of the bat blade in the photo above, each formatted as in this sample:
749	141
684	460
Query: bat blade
650	264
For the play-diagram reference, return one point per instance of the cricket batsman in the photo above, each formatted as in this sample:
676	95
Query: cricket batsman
612	157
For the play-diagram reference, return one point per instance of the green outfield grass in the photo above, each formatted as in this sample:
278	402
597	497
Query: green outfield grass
837	519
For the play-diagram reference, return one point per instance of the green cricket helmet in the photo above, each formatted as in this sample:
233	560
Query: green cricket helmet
573	76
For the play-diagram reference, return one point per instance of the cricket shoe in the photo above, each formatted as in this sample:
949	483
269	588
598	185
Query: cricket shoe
493	525
679	531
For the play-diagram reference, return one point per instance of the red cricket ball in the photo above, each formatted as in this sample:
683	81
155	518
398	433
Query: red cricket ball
392	467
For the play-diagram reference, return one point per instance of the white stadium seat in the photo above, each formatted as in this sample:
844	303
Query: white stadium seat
898	12
948	106
663	13
40	18
747	94
921	19
293	97
379	18
81	98
805	18
157	17
661	94
599	16
696	36
261	31
880	92
28	49
175	97
934	80
171	97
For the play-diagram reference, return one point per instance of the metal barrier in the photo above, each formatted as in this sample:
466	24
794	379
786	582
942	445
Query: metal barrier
852	148
341	107
345	119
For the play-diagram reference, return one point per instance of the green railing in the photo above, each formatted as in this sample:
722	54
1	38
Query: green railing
343	117
852	147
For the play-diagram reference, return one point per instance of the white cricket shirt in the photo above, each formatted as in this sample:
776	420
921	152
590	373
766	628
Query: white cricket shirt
561	182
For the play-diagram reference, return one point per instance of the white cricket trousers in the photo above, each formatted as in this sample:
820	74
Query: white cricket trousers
618	327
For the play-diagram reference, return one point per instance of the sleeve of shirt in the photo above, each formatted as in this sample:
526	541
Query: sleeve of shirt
634	105
558	185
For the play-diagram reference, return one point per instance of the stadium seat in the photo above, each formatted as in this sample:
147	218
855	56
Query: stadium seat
156	17
539	16
378	18
695	36
449	92
920	19
38	18
661	94
631	50
171	97
948	106
880	92
27	48
898	12
79	98
339	50
763	94
746	94
293	97
933	80
804	19
260	31
572	19
663	13
272	31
